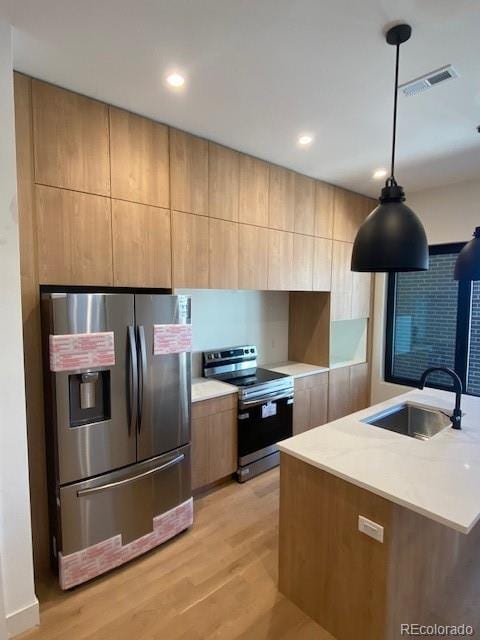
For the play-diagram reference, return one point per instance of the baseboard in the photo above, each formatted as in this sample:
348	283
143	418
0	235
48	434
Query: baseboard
23	619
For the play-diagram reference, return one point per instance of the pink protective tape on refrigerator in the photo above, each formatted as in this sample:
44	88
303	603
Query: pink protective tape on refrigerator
171	338
82	351
88	563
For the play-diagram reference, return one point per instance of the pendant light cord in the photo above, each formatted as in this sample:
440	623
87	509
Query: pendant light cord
392	180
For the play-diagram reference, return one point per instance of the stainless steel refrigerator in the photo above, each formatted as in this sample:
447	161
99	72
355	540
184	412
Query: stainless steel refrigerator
118	392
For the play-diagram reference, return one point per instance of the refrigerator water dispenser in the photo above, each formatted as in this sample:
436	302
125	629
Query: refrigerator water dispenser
89	397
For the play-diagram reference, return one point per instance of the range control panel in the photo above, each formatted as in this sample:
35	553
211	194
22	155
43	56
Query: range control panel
235	354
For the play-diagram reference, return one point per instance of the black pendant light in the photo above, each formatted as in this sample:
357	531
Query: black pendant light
392	238
467	266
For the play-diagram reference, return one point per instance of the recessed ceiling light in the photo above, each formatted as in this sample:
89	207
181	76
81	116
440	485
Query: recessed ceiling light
379	173
176	80
305	139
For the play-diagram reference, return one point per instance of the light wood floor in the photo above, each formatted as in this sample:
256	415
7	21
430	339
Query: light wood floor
216	581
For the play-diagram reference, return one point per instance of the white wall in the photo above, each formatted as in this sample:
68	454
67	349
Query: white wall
223	318
449	214
21	605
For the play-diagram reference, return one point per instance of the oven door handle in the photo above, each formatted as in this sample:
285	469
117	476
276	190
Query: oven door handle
245	404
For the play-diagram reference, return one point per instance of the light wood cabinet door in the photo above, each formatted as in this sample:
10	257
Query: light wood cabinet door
223	251
200	453
253	191
322	264
222	449
301	410
349	211
342	281
252	257
319	399
223	182
304	205
139	159
339	399
280	260
302	274
281	198
188	173
359	386
214	440
71	146
190	238
361	290
141	245
74	233
324	196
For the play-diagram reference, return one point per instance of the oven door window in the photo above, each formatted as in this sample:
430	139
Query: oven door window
263	425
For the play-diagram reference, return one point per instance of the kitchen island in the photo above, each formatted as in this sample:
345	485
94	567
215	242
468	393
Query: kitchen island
417	558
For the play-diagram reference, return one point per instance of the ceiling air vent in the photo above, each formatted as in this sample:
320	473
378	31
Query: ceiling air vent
428	81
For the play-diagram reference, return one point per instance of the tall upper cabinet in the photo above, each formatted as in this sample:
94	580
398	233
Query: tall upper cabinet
281	199
139	159
71	142
188	173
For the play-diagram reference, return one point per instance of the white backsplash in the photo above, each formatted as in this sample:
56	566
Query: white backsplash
223	318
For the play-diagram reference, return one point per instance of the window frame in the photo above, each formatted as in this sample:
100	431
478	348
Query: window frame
462	334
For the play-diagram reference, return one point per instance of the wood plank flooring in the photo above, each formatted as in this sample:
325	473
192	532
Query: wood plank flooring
216	581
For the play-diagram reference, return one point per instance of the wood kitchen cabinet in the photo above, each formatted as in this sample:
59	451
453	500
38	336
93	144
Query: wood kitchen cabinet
281	199
71	142
74	236
322	264
140	170
342	281
350	297
190	250
223	254
280	260
253	191
141	245
324	196
188	173
252	257
311	402
223	182
304	205
349	211
348	390
302	275
214	440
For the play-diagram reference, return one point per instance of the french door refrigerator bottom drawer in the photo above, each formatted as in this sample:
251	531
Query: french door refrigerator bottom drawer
124	502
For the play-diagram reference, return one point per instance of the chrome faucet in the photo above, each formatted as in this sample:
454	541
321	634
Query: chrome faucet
456	416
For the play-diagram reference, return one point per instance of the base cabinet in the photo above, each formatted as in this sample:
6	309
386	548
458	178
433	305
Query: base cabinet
311	402
347	390
214	440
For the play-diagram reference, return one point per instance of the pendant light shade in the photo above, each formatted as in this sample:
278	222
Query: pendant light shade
467	266
392	238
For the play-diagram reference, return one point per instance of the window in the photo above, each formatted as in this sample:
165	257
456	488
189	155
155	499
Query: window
432	320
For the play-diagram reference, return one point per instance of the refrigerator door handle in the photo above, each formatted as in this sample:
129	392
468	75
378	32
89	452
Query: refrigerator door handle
132	379
143	373
111	485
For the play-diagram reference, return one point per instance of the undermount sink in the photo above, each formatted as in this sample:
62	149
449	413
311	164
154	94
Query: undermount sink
411	420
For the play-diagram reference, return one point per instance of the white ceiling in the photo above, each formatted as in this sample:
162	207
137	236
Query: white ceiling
260	72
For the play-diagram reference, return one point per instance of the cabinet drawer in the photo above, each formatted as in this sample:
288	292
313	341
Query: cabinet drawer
215	405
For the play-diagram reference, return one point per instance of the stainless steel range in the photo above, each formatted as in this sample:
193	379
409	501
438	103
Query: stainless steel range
265	404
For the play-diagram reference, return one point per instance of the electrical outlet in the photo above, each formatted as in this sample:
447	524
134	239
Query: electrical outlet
370	528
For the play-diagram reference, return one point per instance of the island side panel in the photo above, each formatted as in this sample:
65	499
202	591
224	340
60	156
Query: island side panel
334	573
434	574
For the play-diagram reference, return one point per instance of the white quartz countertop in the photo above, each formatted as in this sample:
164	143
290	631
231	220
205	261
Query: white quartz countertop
204	389
438	478
295	369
